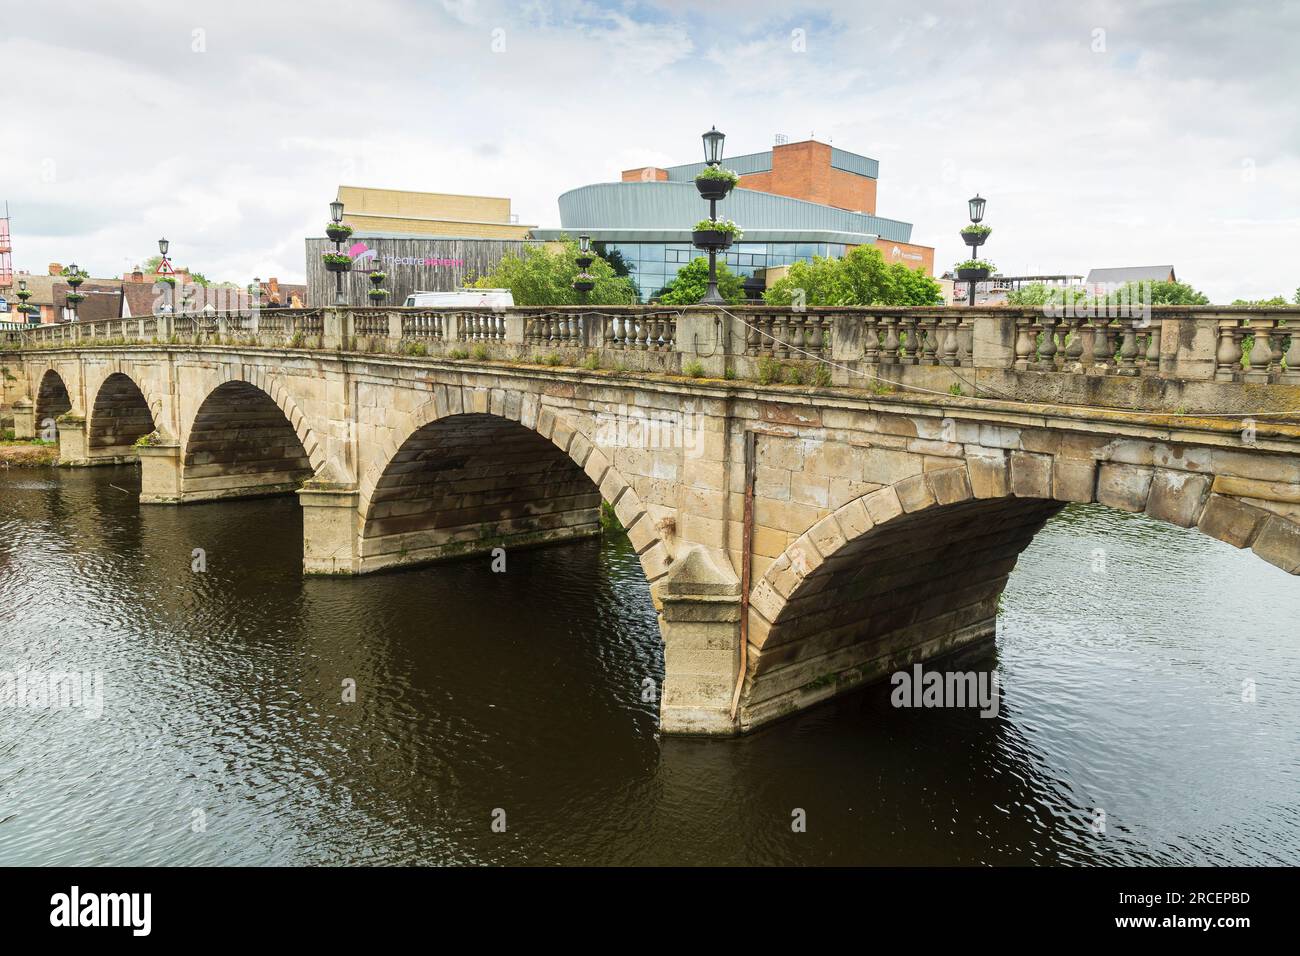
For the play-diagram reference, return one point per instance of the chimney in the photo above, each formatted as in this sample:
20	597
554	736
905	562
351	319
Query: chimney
137	275
56	269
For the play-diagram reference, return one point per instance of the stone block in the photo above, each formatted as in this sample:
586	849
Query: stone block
914	493
1278	542
1074	479
990	475
950	485
1229	520
1177	496
883	505
1125	487
1031	475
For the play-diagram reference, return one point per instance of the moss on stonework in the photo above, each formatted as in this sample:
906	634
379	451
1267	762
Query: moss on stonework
609	522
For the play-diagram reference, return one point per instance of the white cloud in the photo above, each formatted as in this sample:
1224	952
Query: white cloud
1177	144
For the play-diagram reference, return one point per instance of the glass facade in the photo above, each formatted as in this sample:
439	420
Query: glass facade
652	265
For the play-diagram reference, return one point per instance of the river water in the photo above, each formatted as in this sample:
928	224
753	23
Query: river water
1123	656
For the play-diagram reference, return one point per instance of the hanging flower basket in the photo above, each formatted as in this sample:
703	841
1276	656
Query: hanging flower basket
377	294
714	182
583	282
977	269
966	275
337	261
75	297
377	278
584	261
337	231
715	233
74	279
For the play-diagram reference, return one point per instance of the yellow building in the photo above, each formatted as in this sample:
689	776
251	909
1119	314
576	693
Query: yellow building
398	212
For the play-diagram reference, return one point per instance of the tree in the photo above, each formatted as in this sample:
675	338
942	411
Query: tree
861	277
1162	293
692	281
543	275
1276	300
1038	294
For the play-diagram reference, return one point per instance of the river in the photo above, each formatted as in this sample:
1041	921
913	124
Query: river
1124	652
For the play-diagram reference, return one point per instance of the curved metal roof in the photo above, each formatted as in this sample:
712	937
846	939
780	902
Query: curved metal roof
657	207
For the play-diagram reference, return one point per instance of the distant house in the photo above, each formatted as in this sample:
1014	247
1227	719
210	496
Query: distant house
1101	281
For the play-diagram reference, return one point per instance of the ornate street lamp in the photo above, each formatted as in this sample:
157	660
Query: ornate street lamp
23	295
74	279
974	236
583	282
163	246
337	261
713	188
713	141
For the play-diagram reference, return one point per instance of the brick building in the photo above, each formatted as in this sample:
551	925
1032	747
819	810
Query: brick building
794	201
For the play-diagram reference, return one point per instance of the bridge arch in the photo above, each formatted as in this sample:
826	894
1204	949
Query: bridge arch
914	569
245	440
52	397
120	414
496	470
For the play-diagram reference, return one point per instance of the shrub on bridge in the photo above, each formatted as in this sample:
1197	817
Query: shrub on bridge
545	276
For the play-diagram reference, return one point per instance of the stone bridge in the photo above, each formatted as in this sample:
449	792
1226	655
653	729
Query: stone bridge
800	537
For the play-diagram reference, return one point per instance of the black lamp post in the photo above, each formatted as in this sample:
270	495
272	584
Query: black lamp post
74	297
712	240
974	236
163	246
336	217
23	295
583	282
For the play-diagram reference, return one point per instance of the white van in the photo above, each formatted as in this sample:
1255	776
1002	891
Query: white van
492	298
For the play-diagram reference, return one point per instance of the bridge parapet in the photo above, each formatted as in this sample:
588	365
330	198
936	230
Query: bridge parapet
1192	359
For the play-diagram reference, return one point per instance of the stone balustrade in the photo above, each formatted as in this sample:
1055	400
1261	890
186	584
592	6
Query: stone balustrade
1030	353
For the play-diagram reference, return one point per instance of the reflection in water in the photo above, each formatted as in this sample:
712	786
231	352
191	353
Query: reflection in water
1122	649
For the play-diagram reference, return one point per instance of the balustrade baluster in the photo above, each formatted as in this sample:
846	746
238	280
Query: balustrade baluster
1261	352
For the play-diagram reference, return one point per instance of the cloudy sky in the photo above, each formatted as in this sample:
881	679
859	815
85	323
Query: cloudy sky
1102	133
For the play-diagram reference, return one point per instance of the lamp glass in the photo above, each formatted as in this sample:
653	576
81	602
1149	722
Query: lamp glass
336	211
976	208
163	246
713	146
584	244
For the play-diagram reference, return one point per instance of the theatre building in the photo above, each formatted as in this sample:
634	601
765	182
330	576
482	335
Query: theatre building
793	202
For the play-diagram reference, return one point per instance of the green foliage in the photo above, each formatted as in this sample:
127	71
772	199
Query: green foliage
954	388
613	257
692	281
480	353
821	376
861	277
1296	300
415	348
693	369
720	225
718	173
544	276
554	359
145	441
457	354
1276	300
609	518
1162	293
977	264
730	373
976	230
795	375
592	362
769	370
339	258
1037	294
